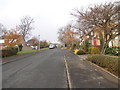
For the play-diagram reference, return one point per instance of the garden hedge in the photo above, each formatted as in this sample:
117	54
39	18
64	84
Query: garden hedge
9	51
107	62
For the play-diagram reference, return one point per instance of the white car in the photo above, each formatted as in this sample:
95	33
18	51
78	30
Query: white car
52	46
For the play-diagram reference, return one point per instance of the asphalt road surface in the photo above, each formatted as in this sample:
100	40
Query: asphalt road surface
43	70
46	69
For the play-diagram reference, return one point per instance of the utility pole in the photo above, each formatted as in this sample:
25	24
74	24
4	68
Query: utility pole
39	42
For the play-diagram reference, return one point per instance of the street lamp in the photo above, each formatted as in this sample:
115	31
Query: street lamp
39	41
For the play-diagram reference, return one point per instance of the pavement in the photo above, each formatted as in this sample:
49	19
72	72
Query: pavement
86	75
46	69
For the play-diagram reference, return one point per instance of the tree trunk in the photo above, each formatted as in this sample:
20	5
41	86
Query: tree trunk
102	50
101	42
105	47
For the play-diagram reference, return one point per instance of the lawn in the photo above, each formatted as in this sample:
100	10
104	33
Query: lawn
29	51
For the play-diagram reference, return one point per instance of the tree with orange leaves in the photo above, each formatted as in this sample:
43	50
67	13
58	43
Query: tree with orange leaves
12	38
67	36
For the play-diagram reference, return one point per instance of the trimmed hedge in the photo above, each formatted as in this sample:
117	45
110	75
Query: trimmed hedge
108	62
9	51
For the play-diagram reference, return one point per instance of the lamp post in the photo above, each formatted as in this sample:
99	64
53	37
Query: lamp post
39	42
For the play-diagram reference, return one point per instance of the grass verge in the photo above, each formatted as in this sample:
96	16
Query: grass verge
29	51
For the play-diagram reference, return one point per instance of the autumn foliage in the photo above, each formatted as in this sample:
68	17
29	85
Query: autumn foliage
67	36
12	38
44	44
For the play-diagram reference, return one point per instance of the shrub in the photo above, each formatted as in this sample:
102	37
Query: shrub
9	51
93	50
80	52
20	47
113	51
108	62
75	51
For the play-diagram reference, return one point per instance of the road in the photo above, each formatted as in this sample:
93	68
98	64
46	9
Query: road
46	69
43	70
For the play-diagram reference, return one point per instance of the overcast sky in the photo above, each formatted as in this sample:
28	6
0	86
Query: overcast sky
49	15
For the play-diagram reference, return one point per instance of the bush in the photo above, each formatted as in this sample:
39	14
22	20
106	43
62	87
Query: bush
9	51
80	52
113	51
20	47
108	62
93	50
75	51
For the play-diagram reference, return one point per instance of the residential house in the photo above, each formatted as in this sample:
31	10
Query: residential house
115	42
95	40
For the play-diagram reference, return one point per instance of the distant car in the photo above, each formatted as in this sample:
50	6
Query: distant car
51	46
34	47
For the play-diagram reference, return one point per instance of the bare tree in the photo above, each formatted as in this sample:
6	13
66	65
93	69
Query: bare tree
2	30
60	35
25	26
100	18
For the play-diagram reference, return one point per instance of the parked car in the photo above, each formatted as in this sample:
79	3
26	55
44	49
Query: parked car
34	47
51	46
